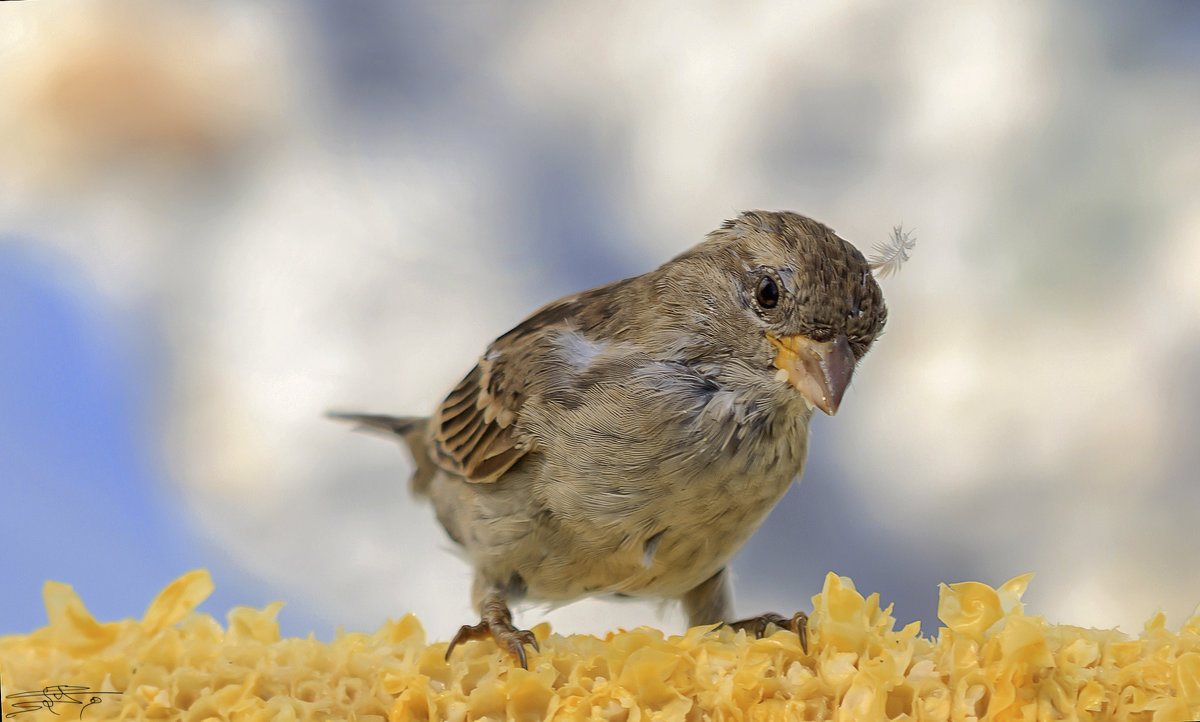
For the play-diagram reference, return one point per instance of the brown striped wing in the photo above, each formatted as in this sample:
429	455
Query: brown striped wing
476	432
473	430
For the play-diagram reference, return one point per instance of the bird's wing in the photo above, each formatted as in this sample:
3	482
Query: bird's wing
473	431
476	432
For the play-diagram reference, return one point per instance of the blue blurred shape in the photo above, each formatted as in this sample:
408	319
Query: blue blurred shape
76	476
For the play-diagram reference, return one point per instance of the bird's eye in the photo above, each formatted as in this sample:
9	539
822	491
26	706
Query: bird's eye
767	293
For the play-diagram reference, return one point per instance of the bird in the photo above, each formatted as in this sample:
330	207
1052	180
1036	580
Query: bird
629	439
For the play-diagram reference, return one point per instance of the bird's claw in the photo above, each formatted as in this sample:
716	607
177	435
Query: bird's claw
758	625
517	640
499	628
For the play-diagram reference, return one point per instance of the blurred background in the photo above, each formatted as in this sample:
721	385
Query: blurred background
219	220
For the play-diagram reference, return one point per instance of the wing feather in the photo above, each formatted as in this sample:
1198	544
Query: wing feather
477	432
472	432
463	431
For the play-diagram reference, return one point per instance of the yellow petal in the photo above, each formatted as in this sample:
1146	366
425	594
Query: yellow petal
177	600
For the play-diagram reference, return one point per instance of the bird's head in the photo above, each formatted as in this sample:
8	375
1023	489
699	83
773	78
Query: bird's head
783	295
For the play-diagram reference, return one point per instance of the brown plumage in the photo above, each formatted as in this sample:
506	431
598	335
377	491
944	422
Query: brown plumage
630	438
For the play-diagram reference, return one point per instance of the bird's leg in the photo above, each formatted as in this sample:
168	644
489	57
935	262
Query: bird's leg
496	621
711	602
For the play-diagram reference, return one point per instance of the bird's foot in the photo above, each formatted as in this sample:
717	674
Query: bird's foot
758	625
496	622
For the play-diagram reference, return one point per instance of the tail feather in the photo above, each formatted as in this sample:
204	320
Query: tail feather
410	429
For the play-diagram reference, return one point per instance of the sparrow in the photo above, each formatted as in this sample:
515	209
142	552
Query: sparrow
629	439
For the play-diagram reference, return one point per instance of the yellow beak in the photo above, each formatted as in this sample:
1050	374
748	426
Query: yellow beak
819	371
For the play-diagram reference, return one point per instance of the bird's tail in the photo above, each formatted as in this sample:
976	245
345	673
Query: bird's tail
410	429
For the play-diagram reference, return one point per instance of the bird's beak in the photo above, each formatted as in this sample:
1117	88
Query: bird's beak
819	371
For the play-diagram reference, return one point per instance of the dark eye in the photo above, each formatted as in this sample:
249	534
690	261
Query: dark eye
767	293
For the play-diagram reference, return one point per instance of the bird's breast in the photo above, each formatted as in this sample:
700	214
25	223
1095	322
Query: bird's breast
657	515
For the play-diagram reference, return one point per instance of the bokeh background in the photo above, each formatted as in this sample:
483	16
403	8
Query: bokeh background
219	220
